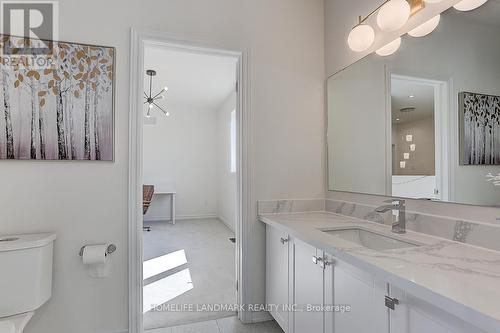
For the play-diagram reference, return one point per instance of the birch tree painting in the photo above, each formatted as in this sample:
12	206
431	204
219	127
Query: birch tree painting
480	129
61	111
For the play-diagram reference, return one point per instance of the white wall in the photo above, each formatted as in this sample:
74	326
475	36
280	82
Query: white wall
87	202
423	160
226	180
179	152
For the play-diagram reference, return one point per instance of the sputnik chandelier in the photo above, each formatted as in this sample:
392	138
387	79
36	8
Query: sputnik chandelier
150	100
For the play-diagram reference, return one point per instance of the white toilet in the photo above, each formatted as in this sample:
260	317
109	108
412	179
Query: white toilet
25	278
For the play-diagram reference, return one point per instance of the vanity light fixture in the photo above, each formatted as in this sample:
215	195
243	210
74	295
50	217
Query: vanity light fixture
468	5
413	147
150	100
361	37
426	28
393	15
389	48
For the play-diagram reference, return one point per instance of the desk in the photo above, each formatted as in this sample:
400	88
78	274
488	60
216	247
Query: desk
172	195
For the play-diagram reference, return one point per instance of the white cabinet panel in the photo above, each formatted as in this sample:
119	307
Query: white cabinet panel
365	297
277	275
413	315
308	289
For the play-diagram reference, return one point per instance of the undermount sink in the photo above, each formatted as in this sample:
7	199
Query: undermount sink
369	239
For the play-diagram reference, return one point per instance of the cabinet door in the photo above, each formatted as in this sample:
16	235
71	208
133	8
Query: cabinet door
364	295
413	315
308	289
277	281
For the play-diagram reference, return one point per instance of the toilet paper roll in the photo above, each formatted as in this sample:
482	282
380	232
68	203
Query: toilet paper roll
94	254
96	259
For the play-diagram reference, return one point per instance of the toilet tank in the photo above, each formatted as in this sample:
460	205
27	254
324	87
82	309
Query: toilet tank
25	272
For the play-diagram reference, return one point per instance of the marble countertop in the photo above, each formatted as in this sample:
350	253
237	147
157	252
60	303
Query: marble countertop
462	279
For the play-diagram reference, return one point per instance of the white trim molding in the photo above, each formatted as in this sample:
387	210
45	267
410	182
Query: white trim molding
245	211
182	217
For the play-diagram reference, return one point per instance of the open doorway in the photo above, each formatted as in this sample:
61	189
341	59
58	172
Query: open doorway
190	173
419	127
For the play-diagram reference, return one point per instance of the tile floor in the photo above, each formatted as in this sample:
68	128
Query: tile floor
191	262
224	325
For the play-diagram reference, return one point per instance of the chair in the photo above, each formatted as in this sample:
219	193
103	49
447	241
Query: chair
147	197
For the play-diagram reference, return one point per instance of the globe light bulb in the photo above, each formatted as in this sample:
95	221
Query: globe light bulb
468	5
393	15
361	38
425	28
389	48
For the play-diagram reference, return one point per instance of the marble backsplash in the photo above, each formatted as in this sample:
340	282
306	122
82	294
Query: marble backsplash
290	206
469	232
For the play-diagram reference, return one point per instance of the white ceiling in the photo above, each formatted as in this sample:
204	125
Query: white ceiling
194	80
423	100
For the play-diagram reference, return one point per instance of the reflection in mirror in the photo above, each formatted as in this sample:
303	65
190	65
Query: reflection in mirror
413	139
424	122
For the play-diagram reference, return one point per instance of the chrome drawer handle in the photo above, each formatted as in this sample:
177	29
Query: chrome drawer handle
316	260
284	240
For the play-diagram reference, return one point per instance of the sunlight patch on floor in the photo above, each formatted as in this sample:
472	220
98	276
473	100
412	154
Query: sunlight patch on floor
166	289
163	263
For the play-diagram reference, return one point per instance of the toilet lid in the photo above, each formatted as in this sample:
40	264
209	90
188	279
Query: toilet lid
7	327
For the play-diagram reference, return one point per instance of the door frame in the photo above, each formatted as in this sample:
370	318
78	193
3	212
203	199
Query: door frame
139	38
442	119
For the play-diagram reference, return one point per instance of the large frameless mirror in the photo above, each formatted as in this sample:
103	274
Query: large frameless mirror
423	122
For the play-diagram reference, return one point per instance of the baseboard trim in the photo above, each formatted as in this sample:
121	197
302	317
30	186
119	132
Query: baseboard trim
223	220
261	316
181	217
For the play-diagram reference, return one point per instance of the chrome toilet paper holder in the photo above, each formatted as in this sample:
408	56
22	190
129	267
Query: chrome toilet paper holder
111	248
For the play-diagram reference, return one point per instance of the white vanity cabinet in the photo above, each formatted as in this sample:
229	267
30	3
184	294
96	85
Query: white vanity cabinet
333	296
347	299
277	275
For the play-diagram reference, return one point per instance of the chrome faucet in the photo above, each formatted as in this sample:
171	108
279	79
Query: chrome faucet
399	205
